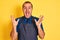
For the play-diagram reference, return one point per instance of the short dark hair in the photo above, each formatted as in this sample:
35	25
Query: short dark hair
27	2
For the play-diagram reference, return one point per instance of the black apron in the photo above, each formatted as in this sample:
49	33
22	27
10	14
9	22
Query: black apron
27	32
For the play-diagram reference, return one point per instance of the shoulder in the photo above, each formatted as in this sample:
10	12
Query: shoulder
35	18
20	18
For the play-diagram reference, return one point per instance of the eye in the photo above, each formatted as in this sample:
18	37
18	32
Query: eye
24	7
29	7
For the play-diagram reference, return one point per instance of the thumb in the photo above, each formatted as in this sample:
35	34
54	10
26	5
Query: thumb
17	20
35	20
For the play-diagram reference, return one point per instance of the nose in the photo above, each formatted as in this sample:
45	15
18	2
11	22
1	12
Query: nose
27	10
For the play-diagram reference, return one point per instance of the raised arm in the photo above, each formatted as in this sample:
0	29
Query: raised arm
13	33
41	33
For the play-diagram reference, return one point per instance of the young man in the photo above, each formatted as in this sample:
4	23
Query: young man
27	27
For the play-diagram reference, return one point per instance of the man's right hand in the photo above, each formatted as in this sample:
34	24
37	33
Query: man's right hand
14	22
13	32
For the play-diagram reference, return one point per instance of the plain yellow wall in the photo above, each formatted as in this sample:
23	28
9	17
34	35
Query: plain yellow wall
49	8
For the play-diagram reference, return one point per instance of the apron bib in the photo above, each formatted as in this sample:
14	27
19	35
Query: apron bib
27	32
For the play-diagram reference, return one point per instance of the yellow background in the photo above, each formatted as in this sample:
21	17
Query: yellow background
49	8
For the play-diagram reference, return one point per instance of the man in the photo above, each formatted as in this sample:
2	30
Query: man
27	27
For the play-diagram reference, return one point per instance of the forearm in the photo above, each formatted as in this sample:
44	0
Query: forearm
13	34
40	32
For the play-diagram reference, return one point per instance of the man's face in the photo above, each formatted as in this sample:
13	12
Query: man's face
27	10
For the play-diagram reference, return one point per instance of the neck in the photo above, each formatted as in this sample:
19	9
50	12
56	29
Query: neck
29	17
